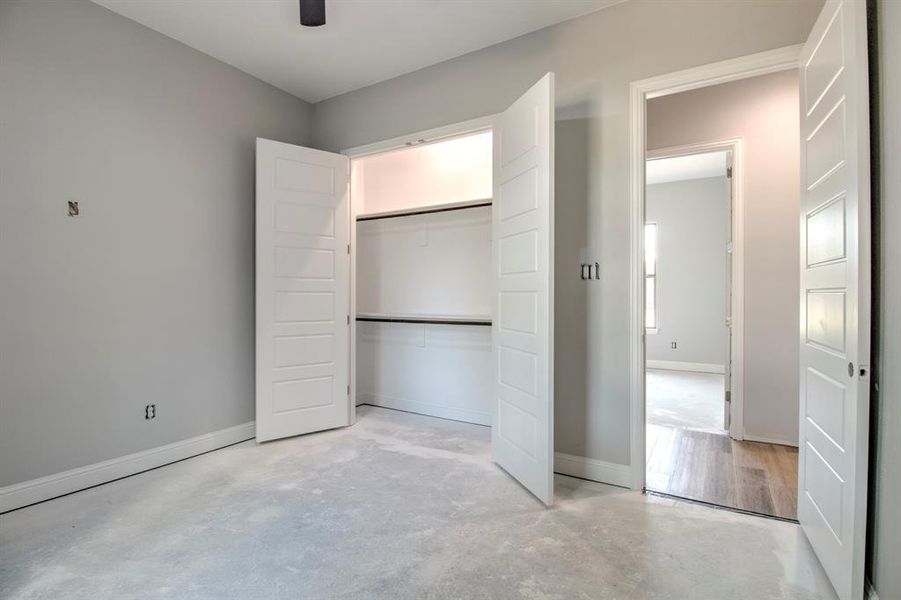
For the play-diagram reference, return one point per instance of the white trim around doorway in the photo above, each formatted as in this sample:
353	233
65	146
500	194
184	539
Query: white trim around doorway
753	65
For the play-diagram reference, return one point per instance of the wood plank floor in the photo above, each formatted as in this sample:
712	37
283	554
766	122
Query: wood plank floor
714	468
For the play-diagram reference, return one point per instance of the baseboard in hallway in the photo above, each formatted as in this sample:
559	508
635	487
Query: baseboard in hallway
693	367
763	439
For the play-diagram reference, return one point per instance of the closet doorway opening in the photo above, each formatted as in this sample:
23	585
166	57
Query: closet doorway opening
418	278
421	336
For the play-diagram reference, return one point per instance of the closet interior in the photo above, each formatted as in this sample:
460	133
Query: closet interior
422	286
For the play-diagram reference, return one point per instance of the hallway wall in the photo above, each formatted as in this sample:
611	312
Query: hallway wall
692	220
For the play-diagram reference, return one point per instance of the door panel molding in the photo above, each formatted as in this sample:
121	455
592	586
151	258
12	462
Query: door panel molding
834	295
302	290
522	435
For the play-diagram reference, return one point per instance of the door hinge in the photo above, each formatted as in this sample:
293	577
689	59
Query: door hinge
729	172
348	248
348	319
348	390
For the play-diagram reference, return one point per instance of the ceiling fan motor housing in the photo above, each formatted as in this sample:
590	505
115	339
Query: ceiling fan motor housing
312	13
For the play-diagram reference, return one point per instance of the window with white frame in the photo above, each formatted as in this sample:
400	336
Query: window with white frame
650	276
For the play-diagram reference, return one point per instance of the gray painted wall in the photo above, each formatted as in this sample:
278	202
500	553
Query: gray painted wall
595	58
885	473
572	321
763	111
147	297
692	224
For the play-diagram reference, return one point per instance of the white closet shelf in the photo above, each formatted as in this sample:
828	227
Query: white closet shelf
424	210
479	320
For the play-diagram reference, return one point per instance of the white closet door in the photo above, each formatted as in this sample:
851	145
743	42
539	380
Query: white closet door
835	293
302	290
522	436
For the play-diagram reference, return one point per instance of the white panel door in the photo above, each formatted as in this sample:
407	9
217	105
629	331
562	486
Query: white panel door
835	293
302	290
522	436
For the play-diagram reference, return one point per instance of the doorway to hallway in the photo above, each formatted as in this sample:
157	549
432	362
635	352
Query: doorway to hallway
694	306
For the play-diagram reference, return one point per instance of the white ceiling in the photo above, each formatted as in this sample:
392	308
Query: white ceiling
681	168
363	41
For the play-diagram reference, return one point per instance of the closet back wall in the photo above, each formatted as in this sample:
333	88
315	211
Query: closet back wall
435	266
452	170
147	297
432	265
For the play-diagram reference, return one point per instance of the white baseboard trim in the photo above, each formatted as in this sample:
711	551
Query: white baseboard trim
595	470
674	365
768	440
425	408
44	488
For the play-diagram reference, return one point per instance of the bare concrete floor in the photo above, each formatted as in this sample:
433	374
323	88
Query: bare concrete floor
686	399
398	506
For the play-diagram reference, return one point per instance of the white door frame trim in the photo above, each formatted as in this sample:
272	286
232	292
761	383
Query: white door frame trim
737	287
772	61
436	134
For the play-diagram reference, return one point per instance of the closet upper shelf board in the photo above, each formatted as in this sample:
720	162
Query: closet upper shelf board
425	210
480	320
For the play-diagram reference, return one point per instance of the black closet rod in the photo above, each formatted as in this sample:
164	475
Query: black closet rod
424	320
424	211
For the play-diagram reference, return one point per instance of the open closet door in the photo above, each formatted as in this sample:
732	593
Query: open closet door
302	290
835	293
522	436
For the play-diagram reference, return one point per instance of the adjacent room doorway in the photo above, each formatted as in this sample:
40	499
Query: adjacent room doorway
694	328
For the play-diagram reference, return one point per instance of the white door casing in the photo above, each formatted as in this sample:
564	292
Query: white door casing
302	290
729	359
835	293
522	435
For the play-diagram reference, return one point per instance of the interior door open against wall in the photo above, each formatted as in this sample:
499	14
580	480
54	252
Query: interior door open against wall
522	436
302	290
835	293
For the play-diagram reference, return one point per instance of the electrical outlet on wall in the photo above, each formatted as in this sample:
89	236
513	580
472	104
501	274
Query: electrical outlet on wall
150	411
674	345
